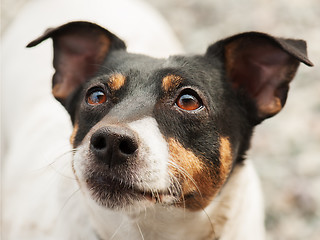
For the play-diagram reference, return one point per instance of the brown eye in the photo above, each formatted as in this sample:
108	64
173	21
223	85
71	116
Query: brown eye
189	101
96	97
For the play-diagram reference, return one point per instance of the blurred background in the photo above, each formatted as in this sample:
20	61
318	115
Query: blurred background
286	148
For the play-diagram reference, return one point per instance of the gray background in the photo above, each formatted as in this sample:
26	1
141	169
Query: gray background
286	148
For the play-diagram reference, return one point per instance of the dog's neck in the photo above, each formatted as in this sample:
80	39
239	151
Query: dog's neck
156	223
216	220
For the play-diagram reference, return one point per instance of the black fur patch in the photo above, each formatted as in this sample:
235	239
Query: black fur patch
142	95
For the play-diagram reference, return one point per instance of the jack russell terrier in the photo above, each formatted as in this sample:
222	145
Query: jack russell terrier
159	145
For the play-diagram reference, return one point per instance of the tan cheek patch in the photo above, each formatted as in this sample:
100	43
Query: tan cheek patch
194	176
116	81
74	133
171	82
199	181
225	158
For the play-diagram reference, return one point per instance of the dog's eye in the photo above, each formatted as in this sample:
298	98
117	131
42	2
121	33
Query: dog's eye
96	97
189	100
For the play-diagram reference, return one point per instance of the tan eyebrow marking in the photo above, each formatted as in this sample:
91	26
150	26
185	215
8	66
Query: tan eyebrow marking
170	82
116	81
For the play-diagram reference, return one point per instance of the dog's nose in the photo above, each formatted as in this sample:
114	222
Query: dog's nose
114	145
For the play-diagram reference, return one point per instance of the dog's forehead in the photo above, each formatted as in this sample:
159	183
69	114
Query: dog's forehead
146	72
132	82
137	83
132	64
142	78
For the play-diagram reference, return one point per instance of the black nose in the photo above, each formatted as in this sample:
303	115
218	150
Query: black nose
113	145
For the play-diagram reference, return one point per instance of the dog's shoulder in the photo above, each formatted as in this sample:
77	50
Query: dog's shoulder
238	210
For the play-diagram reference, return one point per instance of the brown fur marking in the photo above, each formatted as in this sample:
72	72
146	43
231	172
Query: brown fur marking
225	158
116	81
200	181
171	82
195	178
74	133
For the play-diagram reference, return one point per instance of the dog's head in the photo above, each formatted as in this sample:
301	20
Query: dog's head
165	131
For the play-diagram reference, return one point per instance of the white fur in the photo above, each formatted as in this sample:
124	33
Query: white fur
154	152
41	197
153	155
231	216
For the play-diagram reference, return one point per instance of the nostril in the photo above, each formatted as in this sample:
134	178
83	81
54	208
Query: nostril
128	146
113	145
99	142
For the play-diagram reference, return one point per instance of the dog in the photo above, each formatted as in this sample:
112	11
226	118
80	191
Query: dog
160	144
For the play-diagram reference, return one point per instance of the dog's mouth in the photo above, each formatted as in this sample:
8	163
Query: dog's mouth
113	192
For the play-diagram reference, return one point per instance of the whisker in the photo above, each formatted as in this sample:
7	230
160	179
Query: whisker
151	190
57	167
61	171
177	188
174	182
210	222
185	174
141	234
117	230
67	200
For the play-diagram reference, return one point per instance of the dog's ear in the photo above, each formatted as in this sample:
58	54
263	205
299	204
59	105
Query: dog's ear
79	50
261	67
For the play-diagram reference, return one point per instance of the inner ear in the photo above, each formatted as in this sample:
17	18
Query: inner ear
261	69
78	53
79	50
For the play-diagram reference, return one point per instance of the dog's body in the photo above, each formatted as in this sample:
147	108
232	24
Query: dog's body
159	144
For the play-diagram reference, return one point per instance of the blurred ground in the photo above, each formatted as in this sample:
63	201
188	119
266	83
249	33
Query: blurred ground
286	148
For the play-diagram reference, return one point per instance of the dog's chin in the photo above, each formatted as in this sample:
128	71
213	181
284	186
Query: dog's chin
117	194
